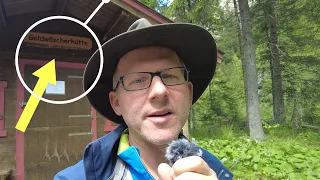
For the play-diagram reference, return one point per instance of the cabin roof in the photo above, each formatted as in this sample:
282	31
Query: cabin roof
115	17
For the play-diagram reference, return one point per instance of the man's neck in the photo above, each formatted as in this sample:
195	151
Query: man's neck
150	154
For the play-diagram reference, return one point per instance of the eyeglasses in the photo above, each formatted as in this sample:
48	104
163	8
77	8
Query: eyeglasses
142	80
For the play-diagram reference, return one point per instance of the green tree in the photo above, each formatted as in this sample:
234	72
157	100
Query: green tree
205	13
159	5
298	46
275	67
250	74
297	23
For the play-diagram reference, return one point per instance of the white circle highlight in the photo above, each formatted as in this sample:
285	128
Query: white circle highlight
64	18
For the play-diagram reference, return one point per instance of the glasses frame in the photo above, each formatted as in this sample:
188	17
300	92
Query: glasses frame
157	73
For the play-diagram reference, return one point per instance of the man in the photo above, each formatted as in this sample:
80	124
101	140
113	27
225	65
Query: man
152	75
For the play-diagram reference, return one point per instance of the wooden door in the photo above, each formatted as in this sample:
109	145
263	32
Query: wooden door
57	134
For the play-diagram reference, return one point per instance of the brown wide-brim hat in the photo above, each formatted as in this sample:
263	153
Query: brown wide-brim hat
193	44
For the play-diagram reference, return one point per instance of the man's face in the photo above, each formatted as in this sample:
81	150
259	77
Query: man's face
157	114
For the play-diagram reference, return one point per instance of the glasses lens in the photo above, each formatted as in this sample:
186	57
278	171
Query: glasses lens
136	81
174	76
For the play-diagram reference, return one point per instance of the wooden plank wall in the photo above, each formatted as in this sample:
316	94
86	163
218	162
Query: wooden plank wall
8	144
8	74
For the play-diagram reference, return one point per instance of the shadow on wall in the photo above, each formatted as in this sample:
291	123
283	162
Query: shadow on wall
7	175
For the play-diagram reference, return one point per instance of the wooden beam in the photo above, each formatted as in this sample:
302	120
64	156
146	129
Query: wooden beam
3	17
61	7
117	19
309	126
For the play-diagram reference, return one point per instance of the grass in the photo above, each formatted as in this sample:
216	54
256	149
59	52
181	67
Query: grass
283	155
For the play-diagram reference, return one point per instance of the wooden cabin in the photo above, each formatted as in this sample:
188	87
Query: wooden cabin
57	134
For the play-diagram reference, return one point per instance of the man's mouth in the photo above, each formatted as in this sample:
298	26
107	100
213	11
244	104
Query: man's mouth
160	113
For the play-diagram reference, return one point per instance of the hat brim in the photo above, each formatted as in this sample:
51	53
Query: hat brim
193	44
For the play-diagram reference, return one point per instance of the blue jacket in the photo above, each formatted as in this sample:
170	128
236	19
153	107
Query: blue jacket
100	157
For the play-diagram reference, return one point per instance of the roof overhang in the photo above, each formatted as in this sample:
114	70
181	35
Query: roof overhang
112	19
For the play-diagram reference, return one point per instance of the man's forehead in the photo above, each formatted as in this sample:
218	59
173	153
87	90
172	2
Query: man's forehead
143	55
149	52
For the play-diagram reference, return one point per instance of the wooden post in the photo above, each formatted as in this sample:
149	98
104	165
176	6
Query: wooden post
186	129
3	132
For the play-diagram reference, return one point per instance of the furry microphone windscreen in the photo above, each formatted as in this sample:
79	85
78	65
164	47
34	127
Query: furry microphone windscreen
181	148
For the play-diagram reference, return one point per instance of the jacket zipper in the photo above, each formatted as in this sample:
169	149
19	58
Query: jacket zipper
144	165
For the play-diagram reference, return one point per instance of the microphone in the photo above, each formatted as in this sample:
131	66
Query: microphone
181	148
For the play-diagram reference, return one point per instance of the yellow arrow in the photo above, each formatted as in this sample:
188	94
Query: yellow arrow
46	74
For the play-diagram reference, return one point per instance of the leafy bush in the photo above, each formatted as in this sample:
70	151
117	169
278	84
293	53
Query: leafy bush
279	157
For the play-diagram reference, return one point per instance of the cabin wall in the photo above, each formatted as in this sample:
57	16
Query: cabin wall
9	76
8	143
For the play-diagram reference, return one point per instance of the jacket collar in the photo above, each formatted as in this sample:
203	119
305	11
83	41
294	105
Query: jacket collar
100	156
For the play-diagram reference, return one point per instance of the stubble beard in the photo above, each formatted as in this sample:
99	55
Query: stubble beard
156	137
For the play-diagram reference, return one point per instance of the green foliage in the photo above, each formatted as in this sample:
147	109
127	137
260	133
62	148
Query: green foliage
299	43
226	103
282	156
205	13
299	47
220	113
159	5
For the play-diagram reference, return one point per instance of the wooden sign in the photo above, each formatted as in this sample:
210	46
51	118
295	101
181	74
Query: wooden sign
58	41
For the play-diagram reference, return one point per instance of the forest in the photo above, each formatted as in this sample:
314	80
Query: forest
260	115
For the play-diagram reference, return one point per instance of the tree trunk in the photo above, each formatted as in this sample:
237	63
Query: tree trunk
189	8
275	68
185	129
190	121
301	118
250	74
236	13
210	96
211	106
193	121
294	118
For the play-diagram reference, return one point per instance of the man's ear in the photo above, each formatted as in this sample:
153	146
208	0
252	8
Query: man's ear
190	87
114	101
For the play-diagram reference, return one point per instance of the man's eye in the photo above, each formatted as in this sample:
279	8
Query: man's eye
138	81
169	76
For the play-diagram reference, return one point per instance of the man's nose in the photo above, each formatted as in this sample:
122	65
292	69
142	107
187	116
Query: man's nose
158	90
